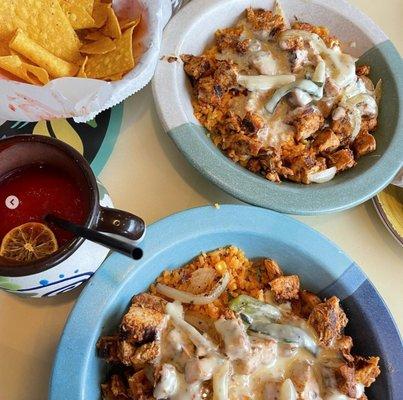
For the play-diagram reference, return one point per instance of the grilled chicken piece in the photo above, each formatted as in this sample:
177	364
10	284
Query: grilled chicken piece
233	333
363	70
197	67
346	381
265	20
341	125
322	31
271	391
263	352
200	369
140	388
342	159
328	319
146	354
326	140
363	144
273	270
304	305
108	348
344	344
366	370
252	122
295	43
368	123
285	288
302	376
229	38
114	389
307	121
140	330
144	321
305	164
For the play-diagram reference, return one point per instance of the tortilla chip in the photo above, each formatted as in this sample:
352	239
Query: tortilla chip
87	4
94	35
55	66
40	73
4	49
127	23
81	73
27	72
78	16
117	61
101	46
100	14
44	22
112	27
116	77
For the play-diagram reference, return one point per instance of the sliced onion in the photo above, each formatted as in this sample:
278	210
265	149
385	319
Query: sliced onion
369	86
305	35
378	91
186	297
278	10
301	98
287	391
336	395
351	105
319	74
221	381
366	99
201	322
323	176
201	280
168	383
356	121
302	84
203	344
353	89
264	82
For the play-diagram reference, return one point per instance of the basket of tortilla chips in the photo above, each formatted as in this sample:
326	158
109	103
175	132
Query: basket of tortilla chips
75	58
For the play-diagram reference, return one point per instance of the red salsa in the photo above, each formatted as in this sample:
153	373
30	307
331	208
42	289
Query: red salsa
30	193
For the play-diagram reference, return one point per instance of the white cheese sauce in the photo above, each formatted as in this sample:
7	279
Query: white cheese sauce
274	367
264	56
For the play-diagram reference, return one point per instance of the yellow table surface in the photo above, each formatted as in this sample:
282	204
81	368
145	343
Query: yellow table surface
148	176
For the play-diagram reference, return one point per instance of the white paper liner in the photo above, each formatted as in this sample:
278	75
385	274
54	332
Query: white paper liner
82	98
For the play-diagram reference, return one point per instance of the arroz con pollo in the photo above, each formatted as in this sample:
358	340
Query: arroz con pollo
284	102
225	328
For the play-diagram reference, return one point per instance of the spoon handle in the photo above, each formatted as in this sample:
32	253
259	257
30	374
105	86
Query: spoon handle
121	246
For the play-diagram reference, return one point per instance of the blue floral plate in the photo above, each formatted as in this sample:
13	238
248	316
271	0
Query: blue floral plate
171	242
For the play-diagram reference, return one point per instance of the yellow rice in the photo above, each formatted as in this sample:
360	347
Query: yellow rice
246	278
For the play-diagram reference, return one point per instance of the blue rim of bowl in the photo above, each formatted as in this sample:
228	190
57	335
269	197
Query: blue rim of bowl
348	189
359	297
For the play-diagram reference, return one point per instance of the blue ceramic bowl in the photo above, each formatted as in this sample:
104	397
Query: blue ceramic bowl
171	242
192	29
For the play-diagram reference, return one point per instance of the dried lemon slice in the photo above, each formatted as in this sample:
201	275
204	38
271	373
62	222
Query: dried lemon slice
28	242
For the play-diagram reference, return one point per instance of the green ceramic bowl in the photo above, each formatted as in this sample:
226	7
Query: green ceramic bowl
193	28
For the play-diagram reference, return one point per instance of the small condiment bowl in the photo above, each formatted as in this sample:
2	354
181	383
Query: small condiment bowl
76	261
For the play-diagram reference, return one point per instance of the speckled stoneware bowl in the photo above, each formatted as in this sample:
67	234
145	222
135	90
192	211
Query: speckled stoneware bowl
193	28
173	241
